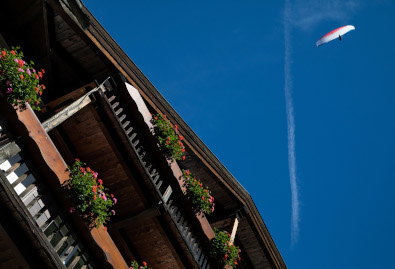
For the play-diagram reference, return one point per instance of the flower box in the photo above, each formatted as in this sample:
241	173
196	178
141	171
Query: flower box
168	137
223	251
89	195
19	81
199	196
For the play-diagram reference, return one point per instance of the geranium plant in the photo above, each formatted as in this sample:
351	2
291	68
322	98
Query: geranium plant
168	137
89	195
19	80
200	197
223	250
135	265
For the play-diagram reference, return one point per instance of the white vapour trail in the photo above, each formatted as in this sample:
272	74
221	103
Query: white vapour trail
291	126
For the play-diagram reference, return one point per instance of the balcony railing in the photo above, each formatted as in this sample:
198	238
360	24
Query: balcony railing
159	181
31	192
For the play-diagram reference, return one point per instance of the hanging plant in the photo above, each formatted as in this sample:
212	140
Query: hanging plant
19	80
200	197
89	195
168	137
223	250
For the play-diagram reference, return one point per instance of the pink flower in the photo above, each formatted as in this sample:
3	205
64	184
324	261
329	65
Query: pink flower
9	90
115	200
28	71
113	212
16	60
20	70
95	174
72	209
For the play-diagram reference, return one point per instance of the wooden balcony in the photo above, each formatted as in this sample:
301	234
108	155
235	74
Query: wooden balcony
31	172
114	138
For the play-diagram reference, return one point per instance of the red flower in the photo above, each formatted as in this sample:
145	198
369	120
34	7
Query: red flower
3	52
78	160
144	263
43	71
40	74
100	182
21	76
21	63
12	52
94	197
181	137
105	228
183	158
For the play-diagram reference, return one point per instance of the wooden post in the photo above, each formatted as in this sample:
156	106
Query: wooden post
233	228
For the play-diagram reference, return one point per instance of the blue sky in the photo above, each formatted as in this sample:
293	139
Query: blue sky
221	65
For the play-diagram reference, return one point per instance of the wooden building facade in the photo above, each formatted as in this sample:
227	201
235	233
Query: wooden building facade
97	107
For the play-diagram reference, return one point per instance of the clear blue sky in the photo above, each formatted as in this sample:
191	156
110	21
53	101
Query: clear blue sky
220	64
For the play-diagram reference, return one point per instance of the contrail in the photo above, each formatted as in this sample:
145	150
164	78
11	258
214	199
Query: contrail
291	126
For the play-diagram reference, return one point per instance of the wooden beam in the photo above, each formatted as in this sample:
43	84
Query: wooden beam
235	224
59	103
70	110
143	215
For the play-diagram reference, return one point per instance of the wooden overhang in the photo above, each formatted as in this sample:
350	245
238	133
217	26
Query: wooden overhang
65	38
143	231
